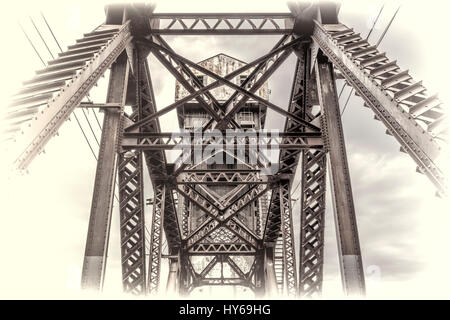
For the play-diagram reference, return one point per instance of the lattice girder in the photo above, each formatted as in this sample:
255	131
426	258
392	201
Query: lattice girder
132	224
414	118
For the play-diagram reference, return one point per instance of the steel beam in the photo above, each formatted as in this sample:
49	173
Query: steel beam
100	218
313	180
131	196
156	159
258	274
348	242
312	223
216	106
172	280
158	49
299	103
132	223
216	146
222	24
159	195
260	63
287	232
185	274
416	141
46	124
269	266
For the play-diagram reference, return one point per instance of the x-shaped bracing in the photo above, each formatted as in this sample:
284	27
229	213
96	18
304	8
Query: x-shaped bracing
167	57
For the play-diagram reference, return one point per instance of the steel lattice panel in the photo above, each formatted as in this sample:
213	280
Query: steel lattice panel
156	238
288	239
132	225
312	223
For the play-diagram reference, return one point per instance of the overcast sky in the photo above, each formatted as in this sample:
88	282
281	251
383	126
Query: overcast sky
403	226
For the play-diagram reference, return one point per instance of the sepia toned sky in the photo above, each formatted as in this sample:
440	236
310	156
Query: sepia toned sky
403	226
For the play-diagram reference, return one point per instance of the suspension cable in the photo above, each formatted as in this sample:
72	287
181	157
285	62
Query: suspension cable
48	26
31	43
40	35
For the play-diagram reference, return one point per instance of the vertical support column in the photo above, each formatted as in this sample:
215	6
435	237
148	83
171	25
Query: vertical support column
184	274
184	216
100	218
278	261
131	194
156	238
259	276
132	224
172	279
312	222
348	242
271	279
288	238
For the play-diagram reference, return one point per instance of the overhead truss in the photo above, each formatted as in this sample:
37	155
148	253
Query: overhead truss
245	235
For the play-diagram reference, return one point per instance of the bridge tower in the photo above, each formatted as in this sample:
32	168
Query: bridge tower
230	259
225	223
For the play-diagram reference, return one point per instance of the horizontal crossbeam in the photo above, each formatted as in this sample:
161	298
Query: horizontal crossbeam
222	24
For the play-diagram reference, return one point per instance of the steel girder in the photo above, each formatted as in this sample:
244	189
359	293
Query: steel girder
172	279
313	183
164	212
288	238
218	248
142	102
278	264
168	58
271	285
62	85
261	64
250	141
228	219
176	65
102	200
301	105
131	196
413	118
185	274
259	278
348	241
226	23
159	202
156	160
280	215
312	223
132	223
213	107
196	242
214	222
251	276
289	158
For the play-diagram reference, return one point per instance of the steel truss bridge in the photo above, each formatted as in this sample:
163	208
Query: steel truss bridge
312	141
